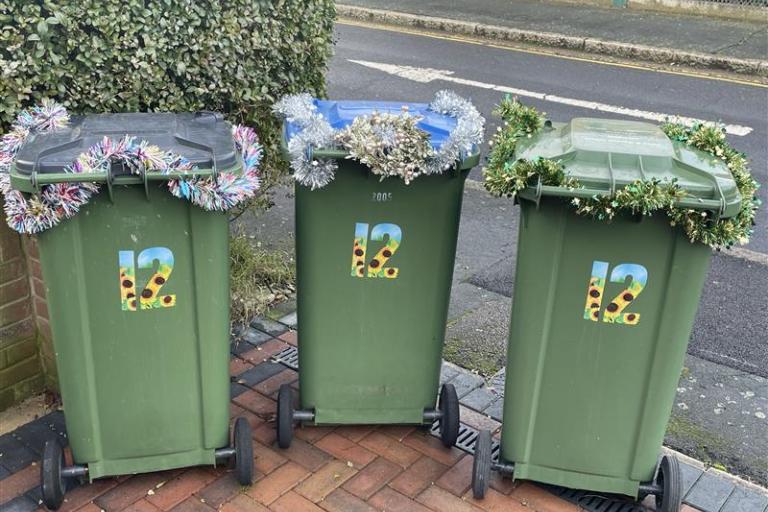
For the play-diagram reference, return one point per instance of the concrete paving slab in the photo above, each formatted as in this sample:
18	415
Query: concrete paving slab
466	382
269	326
448	371
496	409
291	320
710	493
744	500
479	399
690	475
478	339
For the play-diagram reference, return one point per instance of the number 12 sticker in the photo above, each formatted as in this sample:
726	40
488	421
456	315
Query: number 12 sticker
380	232
150	297
614	311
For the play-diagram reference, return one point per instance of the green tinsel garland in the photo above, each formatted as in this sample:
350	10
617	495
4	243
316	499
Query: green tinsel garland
507	176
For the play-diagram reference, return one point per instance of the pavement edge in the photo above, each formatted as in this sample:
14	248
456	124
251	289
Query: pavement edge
585	44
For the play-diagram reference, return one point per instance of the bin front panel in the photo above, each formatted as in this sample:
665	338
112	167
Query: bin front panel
374	263
601	318
138	295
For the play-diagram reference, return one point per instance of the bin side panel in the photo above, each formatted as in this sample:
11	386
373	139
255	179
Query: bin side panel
594	313
209	248
139	367
688	267
374	263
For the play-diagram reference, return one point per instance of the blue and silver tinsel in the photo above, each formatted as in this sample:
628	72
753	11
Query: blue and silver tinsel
316	132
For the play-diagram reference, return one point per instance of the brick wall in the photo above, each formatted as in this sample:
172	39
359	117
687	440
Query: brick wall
26	358
40	310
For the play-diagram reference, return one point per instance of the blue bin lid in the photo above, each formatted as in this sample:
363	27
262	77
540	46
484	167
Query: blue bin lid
340	114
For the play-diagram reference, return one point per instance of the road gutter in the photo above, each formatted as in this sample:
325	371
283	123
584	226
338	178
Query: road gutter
753	67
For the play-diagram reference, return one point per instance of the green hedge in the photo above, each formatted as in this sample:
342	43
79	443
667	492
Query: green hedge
234	56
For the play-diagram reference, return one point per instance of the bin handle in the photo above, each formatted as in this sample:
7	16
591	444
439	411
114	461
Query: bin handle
611	177
589	193
110	180
34	181
204	147
720	195
539	192
337	154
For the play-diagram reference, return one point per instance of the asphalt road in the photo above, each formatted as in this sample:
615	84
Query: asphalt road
729	345
641	89
741	344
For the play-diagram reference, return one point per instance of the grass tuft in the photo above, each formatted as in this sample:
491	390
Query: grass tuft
258	277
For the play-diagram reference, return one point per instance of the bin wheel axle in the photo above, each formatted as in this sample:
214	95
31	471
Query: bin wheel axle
242	443
666	486
287	416
53	474
448	408
482	465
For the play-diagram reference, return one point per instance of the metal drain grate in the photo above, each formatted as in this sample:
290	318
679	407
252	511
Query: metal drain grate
288	357
467	439
594	502
587	500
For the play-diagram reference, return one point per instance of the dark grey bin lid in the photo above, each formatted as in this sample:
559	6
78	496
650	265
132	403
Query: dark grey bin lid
203	138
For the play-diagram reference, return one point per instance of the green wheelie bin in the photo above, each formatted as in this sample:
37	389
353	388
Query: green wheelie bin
602	314
137	285
375	261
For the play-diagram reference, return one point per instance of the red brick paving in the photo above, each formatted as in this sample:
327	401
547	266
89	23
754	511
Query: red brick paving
437	498
540	500
271	386
290	337
19	482
305	454
180	488
390	448
495	501
458	479
342	501
327	469
373	477
423	473
345	449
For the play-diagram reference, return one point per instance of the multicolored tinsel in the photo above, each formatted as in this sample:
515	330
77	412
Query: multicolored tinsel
227	190
37	213
382	134
63	200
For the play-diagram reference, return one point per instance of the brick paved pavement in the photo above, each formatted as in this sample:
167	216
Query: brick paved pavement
346	469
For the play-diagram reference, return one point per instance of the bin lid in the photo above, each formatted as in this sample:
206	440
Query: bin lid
340	114
202	138
607	154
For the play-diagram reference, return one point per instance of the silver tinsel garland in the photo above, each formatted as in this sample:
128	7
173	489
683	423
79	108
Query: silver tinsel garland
467	135
316	132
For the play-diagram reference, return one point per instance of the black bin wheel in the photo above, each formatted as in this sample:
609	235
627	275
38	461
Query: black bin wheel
52	483
285	416
449	420
243	445
670	480
481	466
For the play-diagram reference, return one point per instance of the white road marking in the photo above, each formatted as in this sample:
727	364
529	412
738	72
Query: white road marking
425	75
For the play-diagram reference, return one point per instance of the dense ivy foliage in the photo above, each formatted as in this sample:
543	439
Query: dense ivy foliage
235	57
